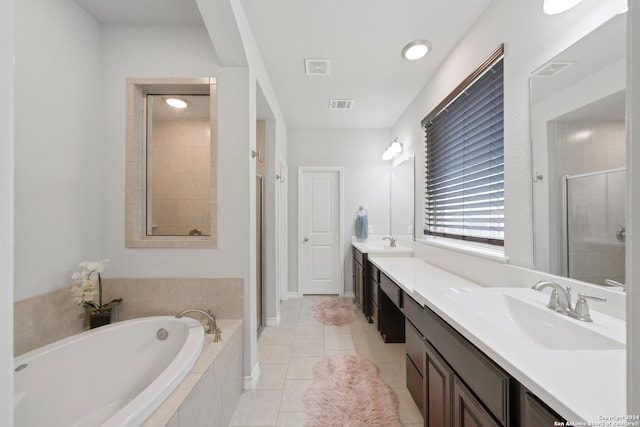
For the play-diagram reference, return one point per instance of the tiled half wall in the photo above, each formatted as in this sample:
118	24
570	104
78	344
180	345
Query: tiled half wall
50	317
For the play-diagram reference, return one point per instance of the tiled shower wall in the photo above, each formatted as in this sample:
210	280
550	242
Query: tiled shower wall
589	146
181	161
597	202
47	318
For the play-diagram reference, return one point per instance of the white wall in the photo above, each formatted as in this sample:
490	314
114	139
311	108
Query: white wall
185	51
530	38
6	212
366	182
57	154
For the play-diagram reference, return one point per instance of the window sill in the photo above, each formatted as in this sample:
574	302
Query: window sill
482	250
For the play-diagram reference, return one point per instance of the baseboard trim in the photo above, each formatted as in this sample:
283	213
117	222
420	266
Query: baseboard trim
249	382
273	321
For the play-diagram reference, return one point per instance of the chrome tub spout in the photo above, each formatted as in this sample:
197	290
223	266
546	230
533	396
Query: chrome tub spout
211	319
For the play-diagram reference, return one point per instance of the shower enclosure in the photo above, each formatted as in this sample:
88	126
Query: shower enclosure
594	218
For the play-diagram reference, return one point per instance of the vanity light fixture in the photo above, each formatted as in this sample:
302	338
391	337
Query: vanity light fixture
392	150
177	103
553	7
416	49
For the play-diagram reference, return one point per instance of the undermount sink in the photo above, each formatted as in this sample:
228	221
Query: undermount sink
521	313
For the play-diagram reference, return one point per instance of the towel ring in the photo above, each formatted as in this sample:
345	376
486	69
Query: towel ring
360	209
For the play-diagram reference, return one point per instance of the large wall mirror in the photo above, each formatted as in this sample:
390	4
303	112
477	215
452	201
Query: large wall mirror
578	152
402	196
171	162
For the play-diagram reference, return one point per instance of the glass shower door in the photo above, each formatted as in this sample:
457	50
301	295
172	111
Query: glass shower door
594	226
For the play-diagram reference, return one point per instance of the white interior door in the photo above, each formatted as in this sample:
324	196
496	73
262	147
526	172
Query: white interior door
319	230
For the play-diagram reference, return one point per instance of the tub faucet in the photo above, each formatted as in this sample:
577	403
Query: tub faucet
211	319
392	241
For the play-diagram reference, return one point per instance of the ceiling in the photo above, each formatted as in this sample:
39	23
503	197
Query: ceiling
361	38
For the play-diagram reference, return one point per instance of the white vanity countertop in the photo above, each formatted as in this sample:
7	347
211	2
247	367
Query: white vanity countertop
581	385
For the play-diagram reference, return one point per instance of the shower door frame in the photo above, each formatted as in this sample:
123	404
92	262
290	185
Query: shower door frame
565	212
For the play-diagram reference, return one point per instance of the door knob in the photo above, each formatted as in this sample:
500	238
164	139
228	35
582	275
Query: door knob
305	240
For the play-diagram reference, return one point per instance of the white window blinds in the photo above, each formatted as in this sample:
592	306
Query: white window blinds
465	159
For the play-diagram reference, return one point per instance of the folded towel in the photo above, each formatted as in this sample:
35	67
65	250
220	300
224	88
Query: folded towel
362	226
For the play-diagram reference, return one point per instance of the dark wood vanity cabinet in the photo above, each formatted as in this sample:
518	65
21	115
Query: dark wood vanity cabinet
453	383
478	376
462	383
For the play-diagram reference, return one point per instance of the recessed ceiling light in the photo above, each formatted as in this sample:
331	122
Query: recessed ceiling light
416	49
553	7
176	102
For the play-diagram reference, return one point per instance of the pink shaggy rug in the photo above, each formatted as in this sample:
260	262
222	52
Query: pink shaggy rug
334	311
347	391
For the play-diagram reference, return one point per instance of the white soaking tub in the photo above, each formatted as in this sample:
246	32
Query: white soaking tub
115	375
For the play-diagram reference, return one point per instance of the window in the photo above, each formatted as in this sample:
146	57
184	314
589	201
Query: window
464	188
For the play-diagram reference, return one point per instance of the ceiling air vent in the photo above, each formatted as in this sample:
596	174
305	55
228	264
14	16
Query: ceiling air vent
317	67
340	104
552	68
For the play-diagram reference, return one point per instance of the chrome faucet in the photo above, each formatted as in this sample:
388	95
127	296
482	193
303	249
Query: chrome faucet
211	319
563	304
392	241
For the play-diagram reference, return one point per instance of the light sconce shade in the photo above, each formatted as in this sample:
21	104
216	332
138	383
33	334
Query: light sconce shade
553	7
394	149
176	103
416	49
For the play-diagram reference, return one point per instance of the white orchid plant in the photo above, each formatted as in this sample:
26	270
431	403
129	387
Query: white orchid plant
84	292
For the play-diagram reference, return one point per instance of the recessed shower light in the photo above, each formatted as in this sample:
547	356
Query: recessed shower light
416	49
176	102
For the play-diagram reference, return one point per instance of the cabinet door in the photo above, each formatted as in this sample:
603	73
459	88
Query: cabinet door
438	378
535	413
357	283
467	410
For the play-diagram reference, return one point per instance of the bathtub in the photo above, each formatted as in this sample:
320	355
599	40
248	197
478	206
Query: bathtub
115	375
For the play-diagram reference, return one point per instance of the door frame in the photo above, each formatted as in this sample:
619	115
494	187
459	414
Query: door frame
340	260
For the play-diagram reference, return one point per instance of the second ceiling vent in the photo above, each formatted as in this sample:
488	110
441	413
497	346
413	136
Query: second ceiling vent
341	104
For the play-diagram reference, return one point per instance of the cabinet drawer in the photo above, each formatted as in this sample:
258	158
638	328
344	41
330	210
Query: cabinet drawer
391	289
374	273
414	346
415	384
413	311
489	382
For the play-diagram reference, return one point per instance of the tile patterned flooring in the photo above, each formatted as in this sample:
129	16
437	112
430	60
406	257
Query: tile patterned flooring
288	352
